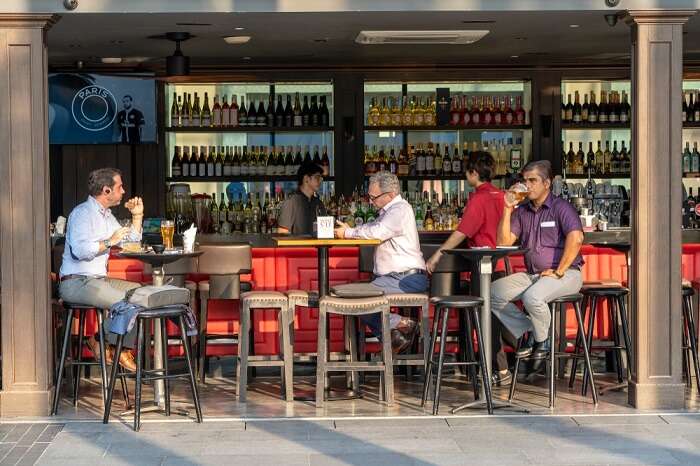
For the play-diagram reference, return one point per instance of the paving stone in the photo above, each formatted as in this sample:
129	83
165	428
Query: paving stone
364	459
32	434
75	450
31	457
257	460
429	423
17	432
50	433
4	430
681	418
14	456
617	420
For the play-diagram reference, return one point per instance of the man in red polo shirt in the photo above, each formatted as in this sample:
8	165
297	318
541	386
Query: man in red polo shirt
479	227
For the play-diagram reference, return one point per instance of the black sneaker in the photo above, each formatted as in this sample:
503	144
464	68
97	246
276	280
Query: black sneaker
525	348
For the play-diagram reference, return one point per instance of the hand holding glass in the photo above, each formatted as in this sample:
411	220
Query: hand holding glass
516	194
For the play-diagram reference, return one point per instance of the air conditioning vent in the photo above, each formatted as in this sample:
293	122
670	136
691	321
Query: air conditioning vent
419	37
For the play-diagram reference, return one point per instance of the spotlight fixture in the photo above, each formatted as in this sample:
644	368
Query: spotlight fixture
177	64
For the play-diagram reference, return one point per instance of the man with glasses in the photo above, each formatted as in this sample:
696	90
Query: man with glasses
299	211
550	228
399	266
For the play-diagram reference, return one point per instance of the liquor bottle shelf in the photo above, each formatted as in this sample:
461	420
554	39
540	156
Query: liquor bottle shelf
242	178
249	129
449	128
621	177
691	124
439	177
587	126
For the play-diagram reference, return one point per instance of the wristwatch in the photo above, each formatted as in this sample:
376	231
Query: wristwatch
107	244
558	274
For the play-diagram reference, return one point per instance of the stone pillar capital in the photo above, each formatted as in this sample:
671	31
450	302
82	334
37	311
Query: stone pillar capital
28	20
633	17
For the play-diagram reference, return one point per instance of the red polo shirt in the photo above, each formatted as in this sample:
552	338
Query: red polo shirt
480	219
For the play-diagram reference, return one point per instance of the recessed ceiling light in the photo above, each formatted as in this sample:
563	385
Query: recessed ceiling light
237	40
239	28
322	40
111	60
573	25
514	56
116	42
521	38
246	58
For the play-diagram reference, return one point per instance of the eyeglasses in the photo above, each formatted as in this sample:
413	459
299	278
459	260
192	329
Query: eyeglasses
317	177
374	198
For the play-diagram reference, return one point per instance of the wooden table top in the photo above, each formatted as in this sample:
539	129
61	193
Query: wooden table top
311	242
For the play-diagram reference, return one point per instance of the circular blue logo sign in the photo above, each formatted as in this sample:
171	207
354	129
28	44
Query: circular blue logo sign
94	108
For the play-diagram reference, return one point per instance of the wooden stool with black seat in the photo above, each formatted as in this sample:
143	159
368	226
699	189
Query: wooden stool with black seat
615	296
690	338
351	309
471	305
159	316
558	306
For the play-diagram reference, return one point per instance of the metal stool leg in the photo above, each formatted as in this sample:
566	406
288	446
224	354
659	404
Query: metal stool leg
625	334
552	368
190	369
321	358
482	359
77	368
112	379
428	369
589	342
514	381
166	382
445	315
471	355
243	349
617	341
286	318
62	364
692	336
586	353
387	359
103	359
577	345
140	343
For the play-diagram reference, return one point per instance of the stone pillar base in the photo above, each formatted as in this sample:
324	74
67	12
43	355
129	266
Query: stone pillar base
656	395
29	403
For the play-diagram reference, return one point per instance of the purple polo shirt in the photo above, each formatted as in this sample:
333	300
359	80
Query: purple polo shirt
544	232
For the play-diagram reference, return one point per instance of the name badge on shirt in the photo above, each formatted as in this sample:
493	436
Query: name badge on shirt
549	224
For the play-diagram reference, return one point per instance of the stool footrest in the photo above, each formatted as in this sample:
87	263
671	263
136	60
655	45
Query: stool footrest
355	366
457	363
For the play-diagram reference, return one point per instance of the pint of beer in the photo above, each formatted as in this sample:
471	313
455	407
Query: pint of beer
517	193
167	231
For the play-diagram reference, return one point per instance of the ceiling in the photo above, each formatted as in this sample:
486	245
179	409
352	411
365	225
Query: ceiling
516	38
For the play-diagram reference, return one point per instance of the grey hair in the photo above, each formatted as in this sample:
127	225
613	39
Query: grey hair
387	181
101	178
542	167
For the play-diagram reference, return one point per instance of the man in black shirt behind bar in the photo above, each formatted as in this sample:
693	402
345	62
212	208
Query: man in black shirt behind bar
299	211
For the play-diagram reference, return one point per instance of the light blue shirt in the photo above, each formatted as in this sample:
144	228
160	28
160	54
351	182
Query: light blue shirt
89	224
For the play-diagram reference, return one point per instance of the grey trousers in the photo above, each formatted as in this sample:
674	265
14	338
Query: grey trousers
101	293
535	292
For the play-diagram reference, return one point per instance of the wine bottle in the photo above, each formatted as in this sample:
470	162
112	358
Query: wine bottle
603	109
607	156
185	161
520	117
226	169
325	162
174	112
569	111
615	160
695	159
186	116
446	161
298	119
210	161
194	162
593	110
245	163
206	112
202	162
219	163
614	108
297	160
691	109
696	109
315	112
306	113
176	163
261	115
317	156
576	110
456	161
252	117
289	113
625	109
234	112
599	161
225	112
584	109
279	113
242	113
307	155
590	158
683	113
236	163
270	113
196	112
289	162
687	164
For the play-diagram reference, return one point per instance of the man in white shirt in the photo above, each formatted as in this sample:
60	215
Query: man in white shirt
92	231
399	266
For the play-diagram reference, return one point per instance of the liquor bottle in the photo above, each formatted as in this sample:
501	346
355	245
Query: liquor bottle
590	158
373	113
210	161
194	162
402	168
420	161
326	162
261	115
498	110
429	222
367	160
615	160
297	160
270	113
486	114
298	118
225	113
242	113
625	109
315	112
568	111
381	160
384	114
206	112
219	163
607	158
252	117
475	113
406	112
185	164
176	163
288	113
395	112
175	112
196	112
516	154
202	162
186	111
420	224
455	114
584	109
626	161
696	109
437	161
279	113
684	112
508	112
692	203
289	162
695	159
520	117
245	163
686	159
614	108
599	161
603	109
216	113
306	113
418	113
236	163
456	161
571	159
307	155
593	110
234	112
446	161
576	110
430	160
430	112
324	115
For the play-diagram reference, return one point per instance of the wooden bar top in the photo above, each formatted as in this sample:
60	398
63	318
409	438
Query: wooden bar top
311	242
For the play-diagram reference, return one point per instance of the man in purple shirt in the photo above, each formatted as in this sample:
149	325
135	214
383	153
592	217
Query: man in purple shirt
550	228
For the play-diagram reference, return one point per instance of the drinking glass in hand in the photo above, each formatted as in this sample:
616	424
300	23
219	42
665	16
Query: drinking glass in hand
167	231
517	193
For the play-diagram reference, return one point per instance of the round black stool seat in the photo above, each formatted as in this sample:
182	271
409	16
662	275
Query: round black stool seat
605	290
457	301
688	291
569	298
168	311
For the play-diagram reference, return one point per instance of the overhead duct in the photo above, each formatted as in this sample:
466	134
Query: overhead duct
420	37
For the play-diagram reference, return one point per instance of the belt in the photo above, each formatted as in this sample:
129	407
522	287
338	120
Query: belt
72	276
412	272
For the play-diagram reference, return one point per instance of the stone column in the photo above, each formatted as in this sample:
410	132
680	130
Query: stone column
24	216
657	73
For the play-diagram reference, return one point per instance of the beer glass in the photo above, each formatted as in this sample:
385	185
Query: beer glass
517	193
167	231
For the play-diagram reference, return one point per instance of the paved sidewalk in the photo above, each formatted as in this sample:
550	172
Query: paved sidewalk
499	440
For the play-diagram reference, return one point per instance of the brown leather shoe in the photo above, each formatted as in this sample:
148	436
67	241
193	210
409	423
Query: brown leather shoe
127	361
94	346
403	335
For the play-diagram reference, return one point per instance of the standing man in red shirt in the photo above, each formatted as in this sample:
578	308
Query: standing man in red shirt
479	227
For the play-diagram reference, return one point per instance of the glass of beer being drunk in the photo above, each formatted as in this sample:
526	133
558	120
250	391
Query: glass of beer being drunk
167	231
517	193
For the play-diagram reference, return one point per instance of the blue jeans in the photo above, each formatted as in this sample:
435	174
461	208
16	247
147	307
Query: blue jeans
391	284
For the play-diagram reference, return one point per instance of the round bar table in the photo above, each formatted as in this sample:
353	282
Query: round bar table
485	258
157	261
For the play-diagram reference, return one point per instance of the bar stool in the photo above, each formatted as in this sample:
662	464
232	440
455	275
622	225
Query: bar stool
690	338
159	316
224	264
80	311
615	296
558	305
352	308
471	305
251	301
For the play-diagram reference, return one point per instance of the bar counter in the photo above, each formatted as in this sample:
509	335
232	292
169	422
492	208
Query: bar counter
296	268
